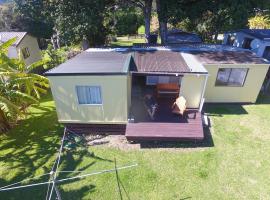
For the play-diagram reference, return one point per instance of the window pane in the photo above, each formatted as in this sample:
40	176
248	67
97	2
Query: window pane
223	76
89	94
237	77
175	79
151	80
163	79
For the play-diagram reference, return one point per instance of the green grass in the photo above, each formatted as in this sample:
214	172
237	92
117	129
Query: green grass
233	164
125	41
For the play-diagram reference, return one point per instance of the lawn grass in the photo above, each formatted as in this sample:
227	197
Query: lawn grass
125	41
235	166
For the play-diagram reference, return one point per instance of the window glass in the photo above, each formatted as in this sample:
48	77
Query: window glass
231	76
266	53
151	80
89	94
237	77
223	76
25	52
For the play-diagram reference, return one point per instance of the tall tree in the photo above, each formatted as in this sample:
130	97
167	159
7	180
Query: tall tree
146	7
77	20
34	17
162	11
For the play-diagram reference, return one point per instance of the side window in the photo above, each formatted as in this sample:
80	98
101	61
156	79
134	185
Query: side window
247	42
266	53
231	77
25	52
151	80
230	40
89	95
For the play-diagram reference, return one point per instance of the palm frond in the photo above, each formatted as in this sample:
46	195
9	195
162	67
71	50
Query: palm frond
9	108
35	65
4	47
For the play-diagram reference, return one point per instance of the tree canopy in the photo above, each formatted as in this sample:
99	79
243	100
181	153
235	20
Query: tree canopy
77	20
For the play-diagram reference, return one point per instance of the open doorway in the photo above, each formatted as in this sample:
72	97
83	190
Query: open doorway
154	90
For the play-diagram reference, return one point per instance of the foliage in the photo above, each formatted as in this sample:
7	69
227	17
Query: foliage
259	21
54	57
154	23
141	30
7	17
34	17
80	20
18	87
210	18
127	20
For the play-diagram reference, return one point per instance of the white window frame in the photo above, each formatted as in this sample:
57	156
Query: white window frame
91	104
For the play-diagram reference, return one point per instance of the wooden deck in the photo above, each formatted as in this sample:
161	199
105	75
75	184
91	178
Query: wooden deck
190	130
166	126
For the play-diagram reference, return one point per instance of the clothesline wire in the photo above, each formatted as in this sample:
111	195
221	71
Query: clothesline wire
71	178
54	171
27	179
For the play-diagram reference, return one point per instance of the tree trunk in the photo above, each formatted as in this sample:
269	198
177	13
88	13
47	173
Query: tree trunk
85	44
53	43
216	37
163	32
4	125
147	16
162	19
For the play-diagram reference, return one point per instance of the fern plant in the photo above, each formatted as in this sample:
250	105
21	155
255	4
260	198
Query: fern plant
18	87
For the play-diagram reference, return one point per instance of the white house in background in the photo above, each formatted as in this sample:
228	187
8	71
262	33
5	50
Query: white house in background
25	44
257	40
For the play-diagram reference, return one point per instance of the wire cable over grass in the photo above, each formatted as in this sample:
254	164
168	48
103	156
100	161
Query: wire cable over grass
27	179
54	171
72	178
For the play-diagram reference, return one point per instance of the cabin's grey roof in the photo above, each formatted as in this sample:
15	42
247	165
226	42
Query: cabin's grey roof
262	34
184	59
5	36
228	57
101	62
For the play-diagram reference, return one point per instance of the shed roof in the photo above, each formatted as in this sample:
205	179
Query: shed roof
5	36
263	34
107	62
176	36
228	57
160	61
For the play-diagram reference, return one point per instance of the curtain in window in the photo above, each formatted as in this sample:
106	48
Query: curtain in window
89	94
223	76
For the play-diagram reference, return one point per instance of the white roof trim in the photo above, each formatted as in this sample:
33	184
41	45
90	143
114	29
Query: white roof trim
193	64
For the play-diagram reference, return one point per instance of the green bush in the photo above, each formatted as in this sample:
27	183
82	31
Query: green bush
141	29
54	57
127	21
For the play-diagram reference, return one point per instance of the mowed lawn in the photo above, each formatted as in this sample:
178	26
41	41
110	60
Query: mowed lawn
234	163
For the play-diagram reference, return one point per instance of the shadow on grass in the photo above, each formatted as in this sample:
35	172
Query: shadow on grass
30	149
264	98
220	109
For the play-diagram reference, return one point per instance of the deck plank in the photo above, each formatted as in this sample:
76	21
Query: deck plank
190	130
